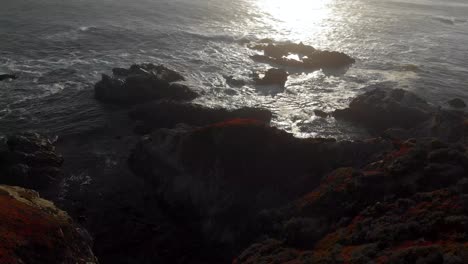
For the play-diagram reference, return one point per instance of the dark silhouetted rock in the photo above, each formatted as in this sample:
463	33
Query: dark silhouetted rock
309	57
273	77
29	160
7	76
381	109
142	83
34	231
457	103
167	114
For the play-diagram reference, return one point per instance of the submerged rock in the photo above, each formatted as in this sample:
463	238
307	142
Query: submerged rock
167	114
457	103
381	109
7	76
142	83
273	77
29	160
34	231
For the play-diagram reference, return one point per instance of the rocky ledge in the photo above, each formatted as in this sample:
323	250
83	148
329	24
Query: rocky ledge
34	231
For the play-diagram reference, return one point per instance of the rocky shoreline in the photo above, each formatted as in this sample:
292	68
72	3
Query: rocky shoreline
192	184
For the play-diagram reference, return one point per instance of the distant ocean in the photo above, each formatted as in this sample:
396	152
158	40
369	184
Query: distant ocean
59	49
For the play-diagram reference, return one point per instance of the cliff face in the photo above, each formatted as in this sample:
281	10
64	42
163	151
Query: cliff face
33	230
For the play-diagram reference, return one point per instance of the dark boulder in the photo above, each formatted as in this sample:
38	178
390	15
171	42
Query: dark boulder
7	76
457	103
167	114
142	83
381	109
29	160
273	77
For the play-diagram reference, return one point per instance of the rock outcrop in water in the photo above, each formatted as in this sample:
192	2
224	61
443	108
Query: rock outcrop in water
142	83
400	114
308	57
381	109
34	231
7	76
29	160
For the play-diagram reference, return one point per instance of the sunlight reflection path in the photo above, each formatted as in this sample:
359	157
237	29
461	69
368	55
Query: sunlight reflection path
299	19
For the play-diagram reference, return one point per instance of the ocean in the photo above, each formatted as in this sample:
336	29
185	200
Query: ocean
60	48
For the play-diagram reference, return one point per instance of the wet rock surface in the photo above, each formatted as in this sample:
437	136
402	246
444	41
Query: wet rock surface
142	83
29	160
34	231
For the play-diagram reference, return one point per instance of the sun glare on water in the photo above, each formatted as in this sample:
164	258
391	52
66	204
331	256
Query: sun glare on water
297	17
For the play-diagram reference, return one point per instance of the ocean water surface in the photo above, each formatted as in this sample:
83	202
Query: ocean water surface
60	48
